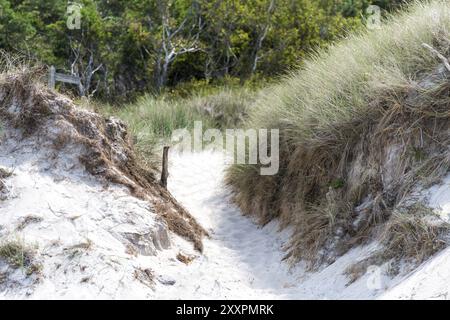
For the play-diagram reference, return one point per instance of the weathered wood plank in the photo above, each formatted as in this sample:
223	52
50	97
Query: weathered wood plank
67	78
54	76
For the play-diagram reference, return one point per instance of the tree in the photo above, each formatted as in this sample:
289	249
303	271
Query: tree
177	38
124	48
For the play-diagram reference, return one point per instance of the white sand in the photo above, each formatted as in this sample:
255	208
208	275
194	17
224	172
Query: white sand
241	260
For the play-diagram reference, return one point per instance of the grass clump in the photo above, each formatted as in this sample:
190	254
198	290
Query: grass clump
19	256
152	119
412	234
361	125
415	234
4	174
105	145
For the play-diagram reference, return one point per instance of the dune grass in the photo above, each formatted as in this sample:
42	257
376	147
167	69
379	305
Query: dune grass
152	119
17	255
336	86
358	113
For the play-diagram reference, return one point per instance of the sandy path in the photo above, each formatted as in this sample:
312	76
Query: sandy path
241	260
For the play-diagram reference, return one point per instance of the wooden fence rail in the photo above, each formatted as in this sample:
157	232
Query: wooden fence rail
54	76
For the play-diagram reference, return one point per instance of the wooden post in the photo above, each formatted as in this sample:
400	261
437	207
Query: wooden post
165	167
51	77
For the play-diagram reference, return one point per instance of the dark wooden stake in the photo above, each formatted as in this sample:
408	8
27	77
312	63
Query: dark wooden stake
165	167
51	77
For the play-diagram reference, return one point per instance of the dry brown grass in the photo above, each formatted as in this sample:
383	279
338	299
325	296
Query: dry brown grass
145	276
414	234
27	220
361	126
4	174
186	259
17	255
181	223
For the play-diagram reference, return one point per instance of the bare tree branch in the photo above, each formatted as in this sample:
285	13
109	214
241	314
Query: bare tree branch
170	47
438	54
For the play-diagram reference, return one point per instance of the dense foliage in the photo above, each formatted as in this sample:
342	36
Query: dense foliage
126	47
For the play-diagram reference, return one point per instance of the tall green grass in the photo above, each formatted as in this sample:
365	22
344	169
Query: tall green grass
335	86
152	119
338	116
